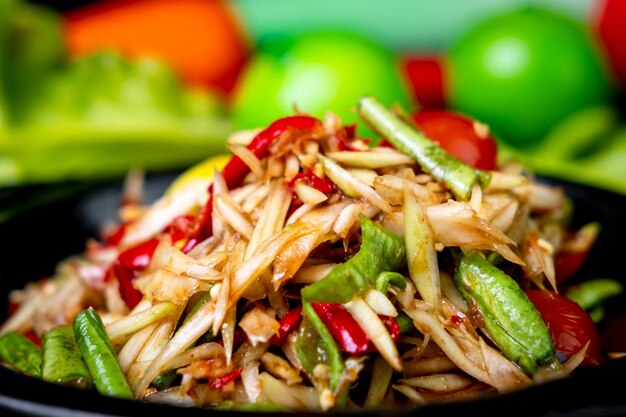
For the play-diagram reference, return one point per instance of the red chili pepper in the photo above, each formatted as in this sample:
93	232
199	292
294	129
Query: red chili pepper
323	185
344	329
347	332
115	237
132	260
236	170
125	277
344	136
137	258
181	227
221	381
288	324
392	327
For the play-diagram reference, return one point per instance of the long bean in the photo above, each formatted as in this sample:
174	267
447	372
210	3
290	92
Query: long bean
62	361
19	352
457	176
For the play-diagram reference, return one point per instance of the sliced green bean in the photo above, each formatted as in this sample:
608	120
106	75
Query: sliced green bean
62	362
510	318
97	351
457	176
17	351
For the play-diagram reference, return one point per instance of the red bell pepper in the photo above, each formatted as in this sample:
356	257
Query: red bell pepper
236	170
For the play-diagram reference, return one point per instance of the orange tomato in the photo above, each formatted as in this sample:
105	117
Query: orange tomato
202	39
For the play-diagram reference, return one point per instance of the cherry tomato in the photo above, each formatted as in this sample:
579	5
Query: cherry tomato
315	73
523	71
570	325
612	32
461	136
567	263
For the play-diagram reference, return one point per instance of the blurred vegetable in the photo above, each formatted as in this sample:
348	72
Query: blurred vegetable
96	116
592	294
315	73
521	72
587	147
612	32
104	114
34	47
400	25
201	39
425	75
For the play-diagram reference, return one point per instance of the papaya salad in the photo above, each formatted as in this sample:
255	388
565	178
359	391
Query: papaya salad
318	270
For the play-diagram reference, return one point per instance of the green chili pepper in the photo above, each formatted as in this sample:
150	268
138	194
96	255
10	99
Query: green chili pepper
315	345
97	351
591	294
511	320
62	362
17	351
457	176
381	251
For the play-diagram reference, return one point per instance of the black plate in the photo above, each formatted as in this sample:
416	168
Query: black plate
34	241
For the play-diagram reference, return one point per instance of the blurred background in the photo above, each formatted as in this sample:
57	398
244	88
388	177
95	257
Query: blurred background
90	90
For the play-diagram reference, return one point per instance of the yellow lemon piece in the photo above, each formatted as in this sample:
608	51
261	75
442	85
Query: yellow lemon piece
201	170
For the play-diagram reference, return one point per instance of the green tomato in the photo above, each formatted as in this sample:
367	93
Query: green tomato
523	71
315	73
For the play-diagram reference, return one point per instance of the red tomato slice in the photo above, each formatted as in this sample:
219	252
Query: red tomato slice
570	325
461	136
